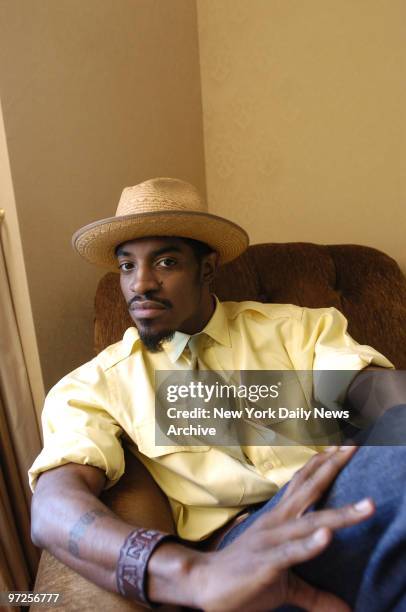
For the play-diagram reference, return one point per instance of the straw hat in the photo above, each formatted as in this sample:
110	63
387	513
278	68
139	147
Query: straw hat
159	207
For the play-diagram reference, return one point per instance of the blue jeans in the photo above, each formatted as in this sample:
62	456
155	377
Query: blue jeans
365	564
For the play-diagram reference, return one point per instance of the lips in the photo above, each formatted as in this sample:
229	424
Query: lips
147	308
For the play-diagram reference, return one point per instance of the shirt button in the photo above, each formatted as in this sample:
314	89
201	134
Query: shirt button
268	465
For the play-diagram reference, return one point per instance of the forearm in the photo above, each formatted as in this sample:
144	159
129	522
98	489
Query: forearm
76	527
71	522
376	390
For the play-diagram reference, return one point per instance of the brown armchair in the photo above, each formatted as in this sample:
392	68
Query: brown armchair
365	284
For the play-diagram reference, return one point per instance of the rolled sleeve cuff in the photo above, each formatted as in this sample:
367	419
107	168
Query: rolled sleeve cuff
334	372
61	448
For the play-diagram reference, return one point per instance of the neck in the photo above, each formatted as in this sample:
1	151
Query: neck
205	312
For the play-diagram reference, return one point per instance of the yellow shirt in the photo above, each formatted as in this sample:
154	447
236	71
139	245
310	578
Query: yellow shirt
112	396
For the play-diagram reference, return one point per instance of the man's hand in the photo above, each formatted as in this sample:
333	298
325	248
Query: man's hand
253	573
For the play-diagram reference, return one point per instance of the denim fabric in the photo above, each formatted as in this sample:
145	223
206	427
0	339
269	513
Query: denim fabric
365	564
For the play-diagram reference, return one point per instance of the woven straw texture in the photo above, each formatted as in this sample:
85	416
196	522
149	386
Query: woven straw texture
159	207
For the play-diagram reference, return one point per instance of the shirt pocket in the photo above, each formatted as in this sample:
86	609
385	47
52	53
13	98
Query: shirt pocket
145	441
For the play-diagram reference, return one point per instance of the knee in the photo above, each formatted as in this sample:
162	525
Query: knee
378	472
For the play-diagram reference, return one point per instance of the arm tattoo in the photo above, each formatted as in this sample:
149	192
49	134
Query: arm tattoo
79	528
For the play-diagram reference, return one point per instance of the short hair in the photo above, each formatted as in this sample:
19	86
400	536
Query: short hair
200	249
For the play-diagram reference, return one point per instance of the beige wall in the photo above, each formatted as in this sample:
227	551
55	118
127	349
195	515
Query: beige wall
96	95
305	118
304	127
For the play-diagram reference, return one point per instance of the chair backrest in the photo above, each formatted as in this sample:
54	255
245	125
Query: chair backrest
366	285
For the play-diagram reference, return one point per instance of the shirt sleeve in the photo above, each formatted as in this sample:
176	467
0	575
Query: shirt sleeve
78	426
333	355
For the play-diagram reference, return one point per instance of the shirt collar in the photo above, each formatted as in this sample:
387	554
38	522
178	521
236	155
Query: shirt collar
131	336
216	328
175	347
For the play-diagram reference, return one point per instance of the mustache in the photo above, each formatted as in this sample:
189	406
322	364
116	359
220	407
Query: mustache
146	298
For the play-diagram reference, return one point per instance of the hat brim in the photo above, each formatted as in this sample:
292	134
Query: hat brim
97	241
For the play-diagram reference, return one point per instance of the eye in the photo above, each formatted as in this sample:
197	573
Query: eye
126	266
167	262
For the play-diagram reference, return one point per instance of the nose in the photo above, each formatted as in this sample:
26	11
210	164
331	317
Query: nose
144	280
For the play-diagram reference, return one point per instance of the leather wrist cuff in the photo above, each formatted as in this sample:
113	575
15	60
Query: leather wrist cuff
131	571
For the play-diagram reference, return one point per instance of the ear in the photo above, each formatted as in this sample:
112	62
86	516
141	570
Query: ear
208	267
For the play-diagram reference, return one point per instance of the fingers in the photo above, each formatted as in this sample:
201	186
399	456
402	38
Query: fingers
312	481
308	469
290	553
332	519
304	595
304	538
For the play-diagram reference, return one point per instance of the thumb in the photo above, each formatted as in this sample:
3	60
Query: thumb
302	594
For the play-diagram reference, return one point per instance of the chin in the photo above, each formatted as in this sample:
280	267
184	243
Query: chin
153	339
152	327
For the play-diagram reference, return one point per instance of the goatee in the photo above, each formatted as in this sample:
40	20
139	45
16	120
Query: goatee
153	342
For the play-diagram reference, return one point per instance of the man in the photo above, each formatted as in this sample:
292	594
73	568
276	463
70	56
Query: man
166	247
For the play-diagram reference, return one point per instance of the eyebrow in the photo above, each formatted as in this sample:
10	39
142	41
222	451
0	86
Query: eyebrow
172	249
